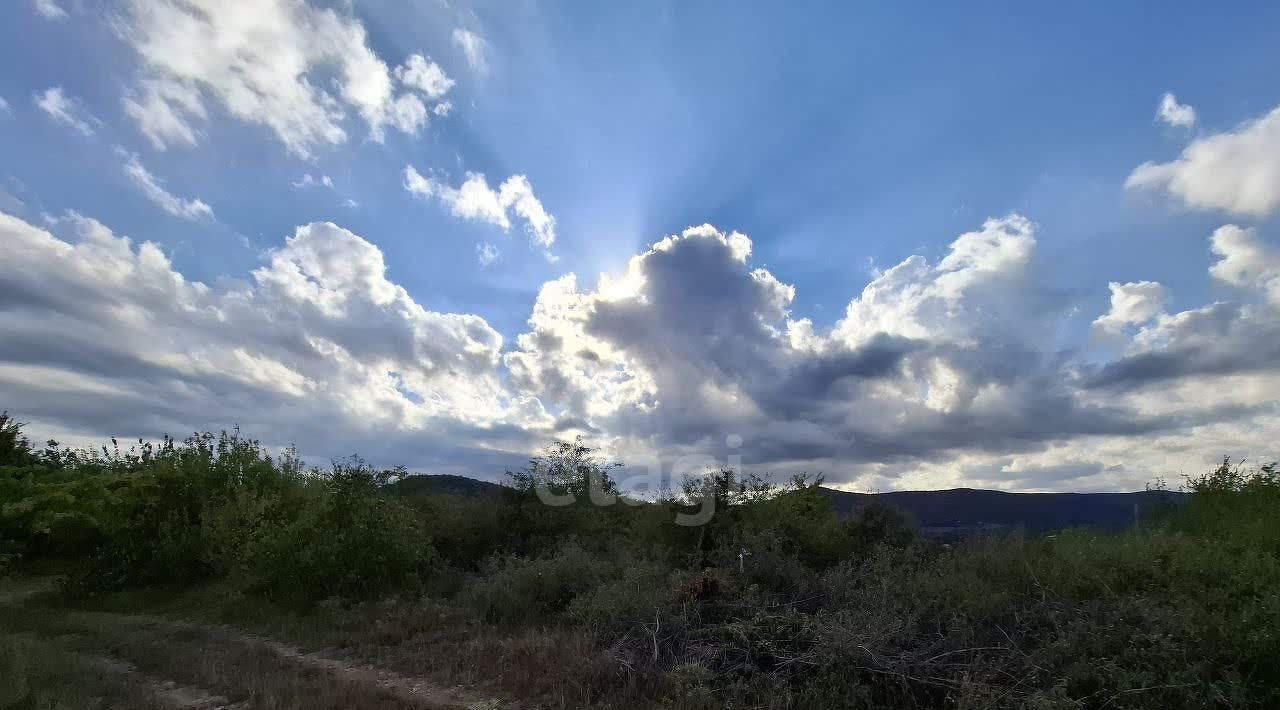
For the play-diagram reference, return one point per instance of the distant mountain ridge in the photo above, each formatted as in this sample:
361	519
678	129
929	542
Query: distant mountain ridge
960	510
952	511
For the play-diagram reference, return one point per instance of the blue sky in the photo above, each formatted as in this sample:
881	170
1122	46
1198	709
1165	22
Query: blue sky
841	141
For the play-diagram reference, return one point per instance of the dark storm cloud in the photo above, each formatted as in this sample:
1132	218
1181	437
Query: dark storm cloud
970	368
1221	339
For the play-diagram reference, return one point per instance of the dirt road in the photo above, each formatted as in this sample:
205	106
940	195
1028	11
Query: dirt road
100	659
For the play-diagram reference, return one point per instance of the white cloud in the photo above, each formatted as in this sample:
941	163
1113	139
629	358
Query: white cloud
308	181
474	47
1246	261
4	106
475	200
949	369
193	208
517	194
1209	351
979	285
1175	114
939	374
62	108
260	59
425	76
1132	303
165	111
417	184
49	9
109	325
1235	171
486	253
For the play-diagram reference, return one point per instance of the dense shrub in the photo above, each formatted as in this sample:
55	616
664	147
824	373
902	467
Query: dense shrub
213	506
642	594
880	524
465	529
515	590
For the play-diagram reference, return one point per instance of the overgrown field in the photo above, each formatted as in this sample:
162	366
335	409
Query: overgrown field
775	602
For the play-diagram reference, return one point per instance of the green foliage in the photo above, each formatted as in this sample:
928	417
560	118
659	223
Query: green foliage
517	590
642	595
879	524
465	529
15	450
566	491
176	513
335	545
772	602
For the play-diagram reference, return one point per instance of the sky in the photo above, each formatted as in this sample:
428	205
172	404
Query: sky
1003	245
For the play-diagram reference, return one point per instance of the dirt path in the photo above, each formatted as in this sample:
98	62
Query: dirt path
405	687
180	664
167	692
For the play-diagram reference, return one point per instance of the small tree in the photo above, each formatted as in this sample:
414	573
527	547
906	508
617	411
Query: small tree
565	470
15	449
1228	478
880	524
566	490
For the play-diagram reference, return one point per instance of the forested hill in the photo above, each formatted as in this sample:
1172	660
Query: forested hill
430	484
937	512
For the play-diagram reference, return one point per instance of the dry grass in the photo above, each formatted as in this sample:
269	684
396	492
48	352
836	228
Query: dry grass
38	673
91	658
542	667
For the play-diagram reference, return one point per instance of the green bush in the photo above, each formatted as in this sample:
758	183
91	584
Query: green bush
640	596
514	590
213	506
330	537
880	524
466	529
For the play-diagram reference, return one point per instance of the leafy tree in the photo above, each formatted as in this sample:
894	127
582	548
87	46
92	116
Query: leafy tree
567	473
879	524
566	491
15	450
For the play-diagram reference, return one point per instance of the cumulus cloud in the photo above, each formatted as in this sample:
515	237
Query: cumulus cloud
691	344
1131	304
939	373
475	200
49	9
1246	261
980	288
1235	171
474	47
424	75
933	365
1219	340
64	109
1175	114
151	187
318	348
259	60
